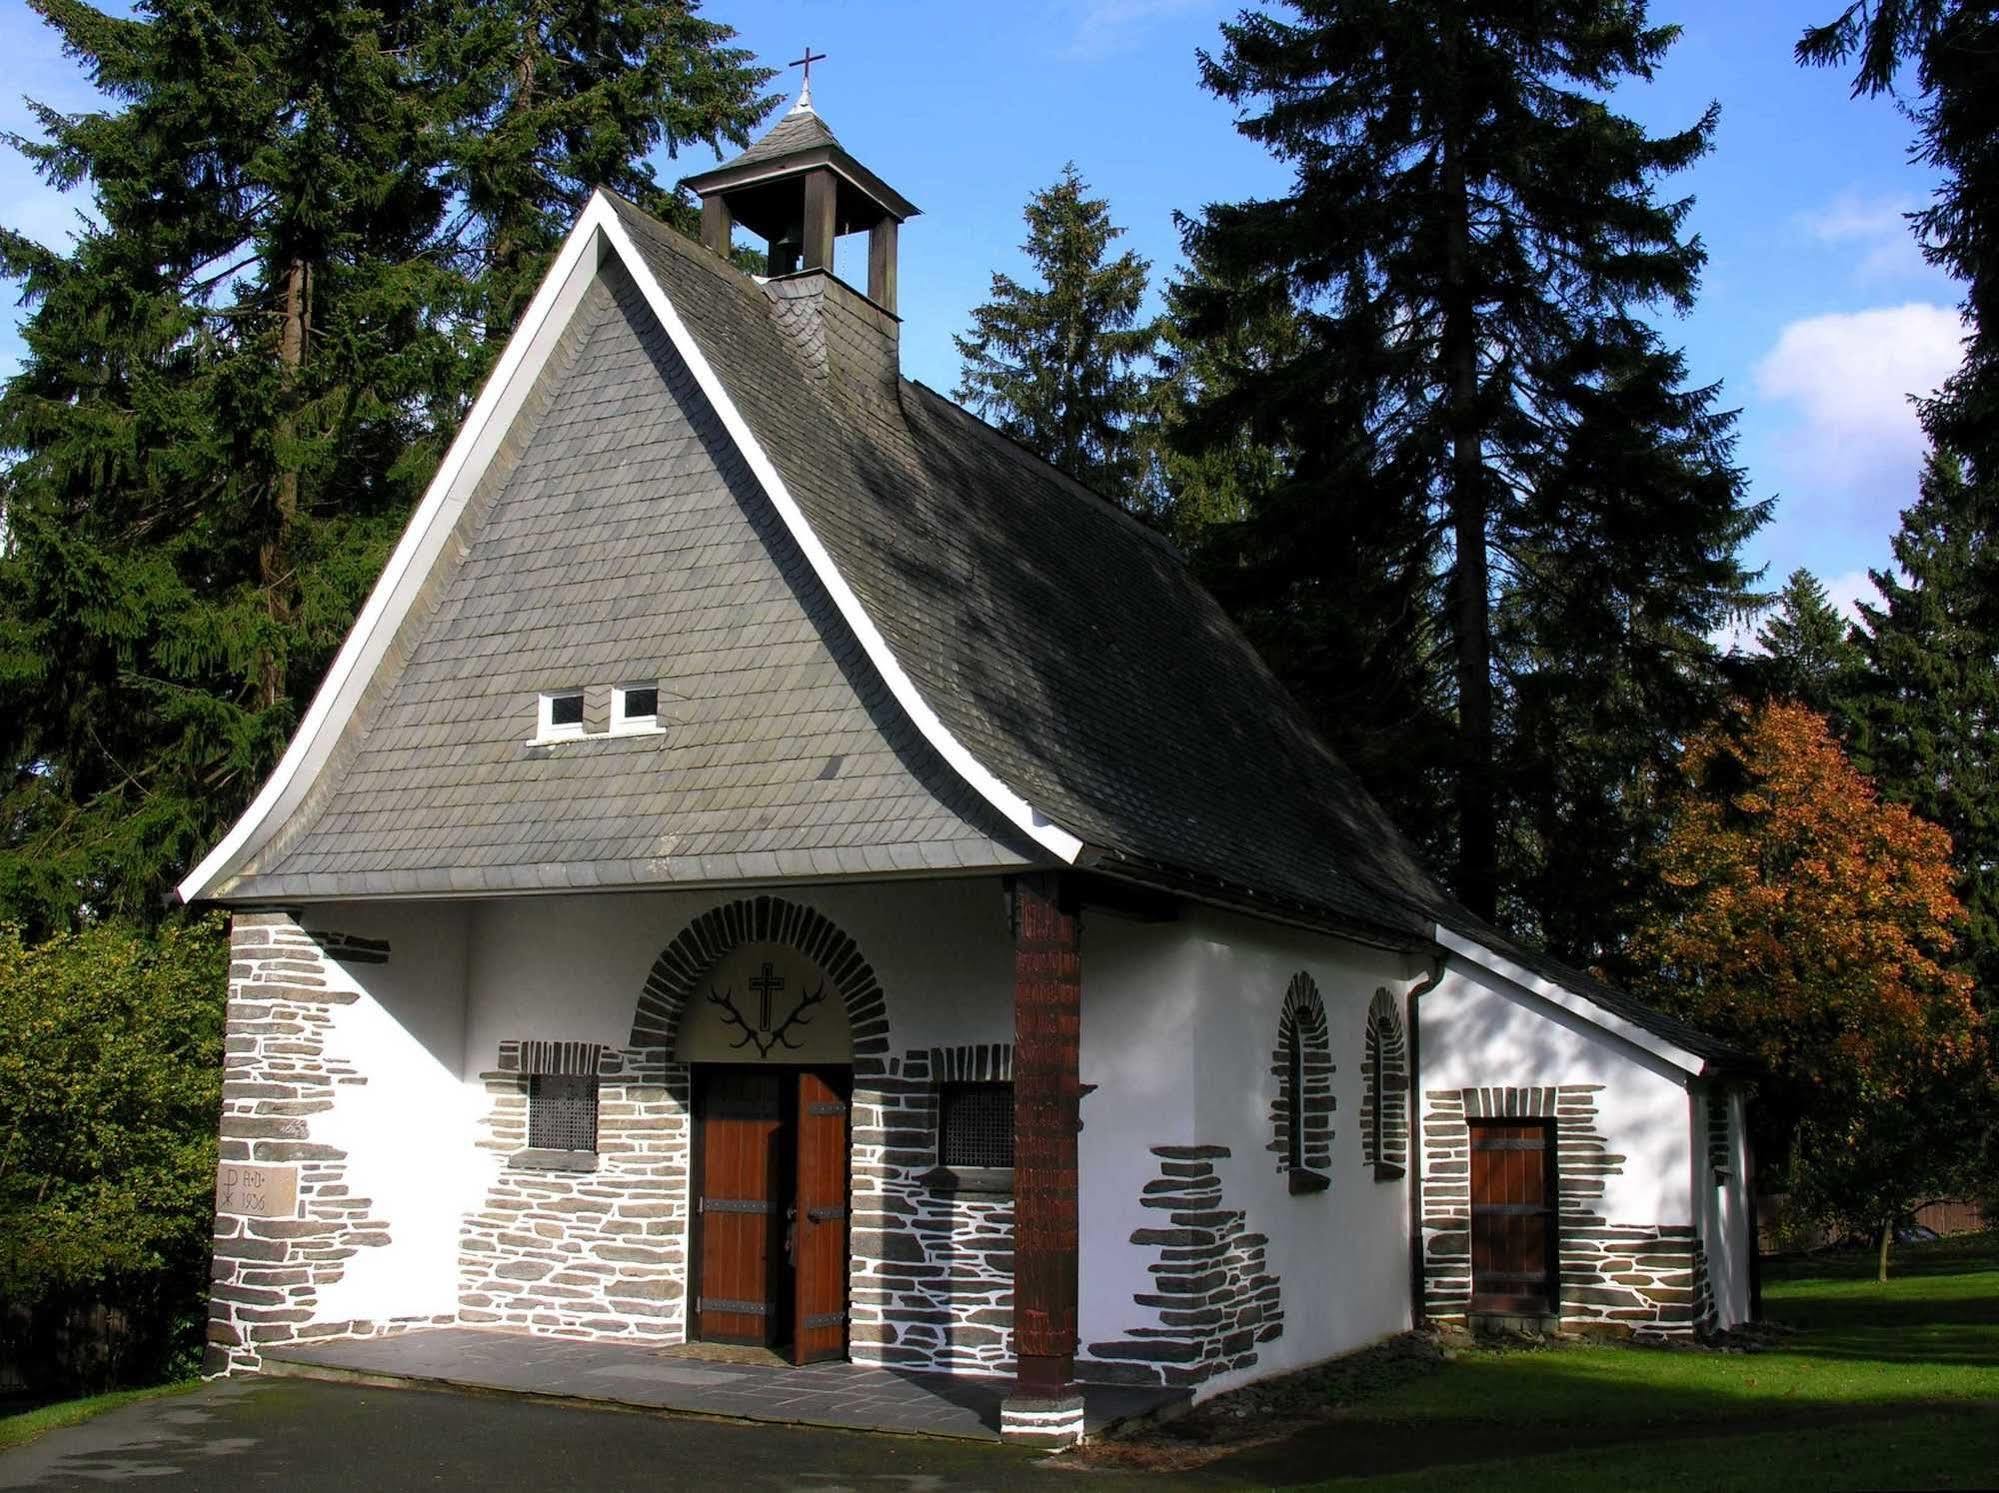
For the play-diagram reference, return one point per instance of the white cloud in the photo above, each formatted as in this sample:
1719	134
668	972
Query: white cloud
1874	231
1847	377
1847	590
1104	27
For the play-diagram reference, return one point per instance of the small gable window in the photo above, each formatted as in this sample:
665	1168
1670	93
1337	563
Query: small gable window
635	707
562	1112
975	1125
561	713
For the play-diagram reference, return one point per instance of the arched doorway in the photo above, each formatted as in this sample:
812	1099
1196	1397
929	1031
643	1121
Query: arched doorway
767	1004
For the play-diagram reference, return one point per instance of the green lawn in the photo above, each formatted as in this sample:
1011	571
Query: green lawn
1882	1386
26	1425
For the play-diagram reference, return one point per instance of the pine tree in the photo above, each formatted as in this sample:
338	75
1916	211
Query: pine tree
1925	720
1954	45
1057	366
1474	240
234	390
1808	651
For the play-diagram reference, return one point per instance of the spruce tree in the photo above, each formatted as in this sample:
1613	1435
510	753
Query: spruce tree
1808	651
1058	365
1925	720
1474	240
549	101
235	387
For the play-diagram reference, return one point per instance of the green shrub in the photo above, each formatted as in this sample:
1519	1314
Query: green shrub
110	1089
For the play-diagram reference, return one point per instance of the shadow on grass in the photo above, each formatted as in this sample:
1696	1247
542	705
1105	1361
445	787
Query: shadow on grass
1874	1356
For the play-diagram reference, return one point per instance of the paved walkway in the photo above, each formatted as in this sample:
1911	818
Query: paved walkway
846	1396
300	1437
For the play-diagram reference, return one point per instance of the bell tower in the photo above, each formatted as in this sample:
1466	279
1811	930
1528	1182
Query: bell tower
798	190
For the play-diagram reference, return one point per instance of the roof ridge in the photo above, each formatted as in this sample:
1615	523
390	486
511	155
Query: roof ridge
1064	478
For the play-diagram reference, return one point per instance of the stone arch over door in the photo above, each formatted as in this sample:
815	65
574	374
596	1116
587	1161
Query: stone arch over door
686	961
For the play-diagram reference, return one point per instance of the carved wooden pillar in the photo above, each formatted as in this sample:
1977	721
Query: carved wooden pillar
1047	1016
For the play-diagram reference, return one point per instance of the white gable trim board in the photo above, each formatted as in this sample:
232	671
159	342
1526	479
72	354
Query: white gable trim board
598	231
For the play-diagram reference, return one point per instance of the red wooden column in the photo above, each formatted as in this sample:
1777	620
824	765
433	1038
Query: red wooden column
1047	1032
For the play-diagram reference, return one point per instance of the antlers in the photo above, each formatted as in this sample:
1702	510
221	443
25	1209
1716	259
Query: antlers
765	1042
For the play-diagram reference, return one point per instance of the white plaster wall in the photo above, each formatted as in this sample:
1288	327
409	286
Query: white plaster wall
571	968
1179	1024
408	1130
1480	1030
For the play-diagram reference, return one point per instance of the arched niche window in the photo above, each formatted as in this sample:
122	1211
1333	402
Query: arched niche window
1301	1116
1384	1110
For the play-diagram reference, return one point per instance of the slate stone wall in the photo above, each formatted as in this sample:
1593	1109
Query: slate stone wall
598	1253
932	1285
1616	1277
279	1076
1213	1300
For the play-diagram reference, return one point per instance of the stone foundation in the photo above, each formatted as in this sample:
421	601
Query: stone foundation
1615	1278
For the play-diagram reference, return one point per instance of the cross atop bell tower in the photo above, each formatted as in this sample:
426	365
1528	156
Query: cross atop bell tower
798	189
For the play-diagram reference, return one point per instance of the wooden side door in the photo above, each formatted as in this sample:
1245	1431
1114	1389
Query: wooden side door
819	1224
1513	1193
741	1203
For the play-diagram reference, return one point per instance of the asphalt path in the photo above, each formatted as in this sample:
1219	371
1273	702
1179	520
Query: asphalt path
300	1436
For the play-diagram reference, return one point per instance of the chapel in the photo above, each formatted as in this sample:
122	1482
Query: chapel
777	864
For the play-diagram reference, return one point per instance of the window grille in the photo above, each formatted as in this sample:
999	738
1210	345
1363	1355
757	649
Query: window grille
975	1124
562	1113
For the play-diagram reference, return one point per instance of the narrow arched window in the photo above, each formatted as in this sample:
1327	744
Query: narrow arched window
1301	1112
1384	1112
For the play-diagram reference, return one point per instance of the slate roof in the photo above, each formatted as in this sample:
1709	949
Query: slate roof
623	541
799	128
1058	640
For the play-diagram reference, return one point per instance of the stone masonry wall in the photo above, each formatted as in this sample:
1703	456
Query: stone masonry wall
932	1284
1620	1278
1213	1300
278	1075
596	1253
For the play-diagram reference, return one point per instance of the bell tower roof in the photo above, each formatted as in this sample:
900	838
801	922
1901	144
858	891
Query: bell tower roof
758	185
799	190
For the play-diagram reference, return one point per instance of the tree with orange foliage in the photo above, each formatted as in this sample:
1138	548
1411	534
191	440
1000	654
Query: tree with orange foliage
1812	924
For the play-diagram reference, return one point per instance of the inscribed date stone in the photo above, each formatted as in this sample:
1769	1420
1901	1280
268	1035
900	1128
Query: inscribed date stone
256	1191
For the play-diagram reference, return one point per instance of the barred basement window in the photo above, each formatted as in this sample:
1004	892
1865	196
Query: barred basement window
975	1125
562	1112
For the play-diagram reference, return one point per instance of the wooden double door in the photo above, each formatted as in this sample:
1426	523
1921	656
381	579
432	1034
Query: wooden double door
1514	1247
770	1187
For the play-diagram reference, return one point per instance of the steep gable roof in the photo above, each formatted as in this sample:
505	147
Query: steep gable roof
1048	672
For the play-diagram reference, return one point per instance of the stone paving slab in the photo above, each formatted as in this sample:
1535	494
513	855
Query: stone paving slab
854	1397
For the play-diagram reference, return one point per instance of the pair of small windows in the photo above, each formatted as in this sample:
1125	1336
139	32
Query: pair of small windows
634	707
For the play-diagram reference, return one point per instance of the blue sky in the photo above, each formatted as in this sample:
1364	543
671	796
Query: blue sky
1817	315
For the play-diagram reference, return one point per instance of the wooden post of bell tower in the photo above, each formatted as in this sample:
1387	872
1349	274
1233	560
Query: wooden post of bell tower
1045	1407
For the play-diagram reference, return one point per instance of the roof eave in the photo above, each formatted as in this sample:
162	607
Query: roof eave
733	177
